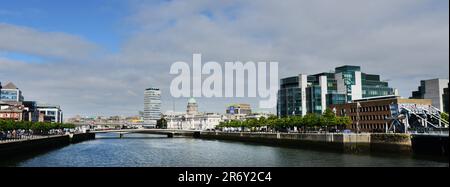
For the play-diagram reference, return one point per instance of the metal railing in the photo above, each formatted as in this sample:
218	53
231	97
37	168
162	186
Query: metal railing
11	137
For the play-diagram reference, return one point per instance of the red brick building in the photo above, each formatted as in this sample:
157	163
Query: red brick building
374	113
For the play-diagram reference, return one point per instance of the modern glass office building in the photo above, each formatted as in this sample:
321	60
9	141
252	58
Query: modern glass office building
434	89
152	106
304	94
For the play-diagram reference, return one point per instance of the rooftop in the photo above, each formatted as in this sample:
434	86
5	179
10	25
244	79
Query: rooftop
241	105
378	97
10	86
192	101
45	105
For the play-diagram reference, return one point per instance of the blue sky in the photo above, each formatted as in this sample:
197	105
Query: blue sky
95	20
95	57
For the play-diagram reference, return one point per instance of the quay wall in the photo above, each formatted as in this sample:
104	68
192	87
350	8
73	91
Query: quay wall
16	147
44	143
76	138
355	143
391	143
404	144
430	145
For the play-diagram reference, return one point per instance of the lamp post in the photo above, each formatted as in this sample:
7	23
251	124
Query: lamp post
358	106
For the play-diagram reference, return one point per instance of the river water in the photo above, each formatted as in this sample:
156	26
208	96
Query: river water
142	150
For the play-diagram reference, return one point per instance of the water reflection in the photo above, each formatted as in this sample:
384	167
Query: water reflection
144	150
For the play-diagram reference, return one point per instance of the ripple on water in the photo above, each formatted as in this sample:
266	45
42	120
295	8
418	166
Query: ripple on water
140	150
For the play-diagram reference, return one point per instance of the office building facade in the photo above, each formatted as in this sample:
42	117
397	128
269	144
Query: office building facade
304	94
434	89
50	113
237	109
375	114
152	106
10	93
13	107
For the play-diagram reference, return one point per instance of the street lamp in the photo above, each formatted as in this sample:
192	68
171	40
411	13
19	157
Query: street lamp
358	106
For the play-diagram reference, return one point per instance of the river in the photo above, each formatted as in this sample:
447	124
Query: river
142	150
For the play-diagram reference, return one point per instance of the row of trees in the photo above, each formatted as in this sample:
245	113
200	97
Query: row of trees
42	127
310	121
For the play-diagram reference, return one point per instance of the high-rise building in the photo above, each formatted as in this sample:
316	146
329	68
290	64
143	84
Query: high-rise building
304	94
434	89
152	106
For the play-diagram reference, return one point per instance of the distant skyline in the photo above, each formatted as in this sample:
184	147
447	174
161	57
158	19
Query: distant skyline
95	57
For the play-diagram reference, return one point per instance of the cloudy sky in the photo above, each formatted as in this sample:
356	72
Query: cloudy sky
96	57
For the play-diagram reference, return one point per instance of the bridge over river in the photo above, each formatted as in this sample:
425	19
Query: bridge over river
169	132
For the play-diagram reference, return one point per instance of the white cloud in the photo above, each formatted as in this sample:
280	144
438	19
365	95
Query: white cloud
401	40
26	40
396	39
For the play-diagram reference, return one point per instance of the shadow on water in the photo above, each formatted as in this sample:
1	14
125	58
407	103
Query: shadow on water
442	159
16	159
138	138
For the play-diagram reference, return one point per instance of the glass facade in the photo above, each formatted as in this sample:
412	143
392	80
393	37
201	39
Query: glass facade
289	97
339	90
9	95
289	101
372	86
334	99
152	105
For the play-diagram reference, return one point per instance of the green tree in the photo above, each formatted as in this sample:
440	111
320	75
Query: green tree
262	122
345	121
253	124
311	120
272	122
161	123
298	121
444	116
328	119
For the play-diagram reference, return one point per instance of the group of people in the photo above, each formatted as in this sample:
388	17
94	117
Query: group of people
25	134
15	134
